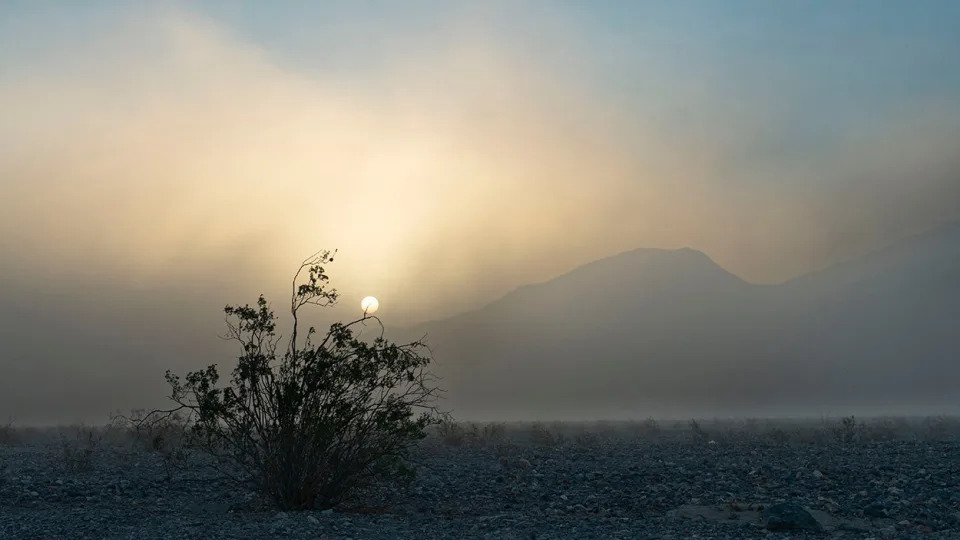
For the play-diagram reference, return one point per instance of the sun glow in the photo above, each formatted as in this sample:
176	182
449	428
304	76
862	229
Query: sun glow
369	305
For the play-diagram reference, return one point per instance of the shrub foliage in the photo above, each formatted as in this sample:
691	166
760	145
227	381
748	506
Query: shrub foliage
313	420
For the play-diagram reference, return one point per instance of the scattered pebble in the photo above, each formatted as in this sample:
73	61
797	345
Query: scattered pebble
610	488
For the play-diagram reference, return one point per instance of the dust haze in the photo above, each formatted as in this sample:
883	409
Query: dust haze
156	165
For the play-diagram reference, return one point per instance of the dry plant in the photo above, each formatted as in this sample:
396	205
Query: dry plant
540	435
494	432
778	436
310	423
167	435
451	433
697	433
884	429
586	439
8	433
849	431
650	428
79	451
458	434
941	427
154	433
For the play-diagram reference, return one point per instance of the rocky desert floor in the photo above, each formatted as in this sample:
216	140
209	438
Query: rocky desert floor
734	479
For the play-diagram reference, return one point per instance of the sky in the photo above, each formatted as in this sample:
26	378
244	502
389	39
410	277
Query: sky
168	158
453	151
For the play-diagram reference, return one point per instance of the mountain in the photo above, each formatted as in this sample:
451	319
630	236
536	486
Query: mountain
889	321
668	332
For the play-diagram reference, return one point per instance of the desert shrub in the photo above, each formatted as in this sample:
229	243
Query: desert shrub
821	433
540	435
118	431
604	429
310	423
476	434
882	429
697	433
941	427
586	438
778	436
79	450
451	433
494	432
154	432
650	428
558	431
849	431
8	434
167	435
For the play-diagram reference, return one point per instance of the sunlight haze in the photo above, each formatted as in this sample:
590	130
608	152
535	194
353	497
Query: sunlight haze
158	161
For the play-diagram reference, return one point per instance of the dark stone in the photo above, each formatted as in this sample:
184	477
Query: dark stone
875	510
789	517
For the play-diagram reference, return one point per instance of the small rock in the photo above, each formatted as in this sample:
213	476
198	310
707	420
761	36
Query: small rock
875	510
313	520
515	463
853	527
818	475
789	516
829	504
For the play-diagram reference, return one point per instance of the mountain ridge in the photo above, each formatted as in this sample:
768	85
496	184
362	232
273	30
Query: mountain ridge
690	254
952	227
653	328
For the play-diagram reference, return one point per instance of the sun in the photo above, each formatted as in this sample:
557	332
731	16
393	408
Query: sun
369	305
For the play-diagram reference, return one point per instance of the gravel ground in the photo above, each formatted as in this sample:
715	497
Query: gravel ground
592	487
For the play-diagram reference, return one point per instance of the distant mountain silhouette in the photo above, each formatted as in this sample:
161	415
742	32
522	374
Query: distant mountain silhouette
655	331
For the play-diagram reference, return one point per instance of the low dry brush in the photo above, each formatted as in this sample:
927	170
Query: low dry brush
315	420
8	434
79	449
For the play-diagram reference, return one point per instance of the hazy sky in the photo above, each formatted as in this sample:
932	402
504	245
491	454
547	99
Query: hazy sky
453	152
